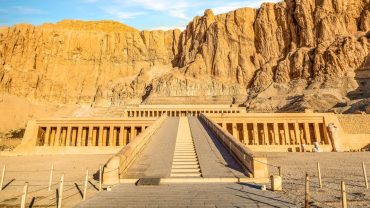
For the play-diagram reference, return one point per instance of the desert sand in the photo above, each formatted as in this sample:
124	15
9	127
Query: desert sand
335	167
36	171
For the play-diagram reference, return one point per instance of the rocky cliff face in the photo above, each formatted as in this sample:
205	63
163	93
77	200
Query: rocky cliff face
291	55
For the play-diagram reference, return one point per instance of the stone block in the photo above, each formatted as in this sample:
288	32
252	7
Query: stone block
276	183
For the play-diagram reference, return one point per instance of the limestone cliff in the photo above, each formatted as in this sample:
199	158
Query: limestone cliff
64	64
286	56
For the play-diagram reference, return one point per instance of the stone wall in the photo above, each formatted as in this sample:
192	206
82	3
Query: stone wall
355	124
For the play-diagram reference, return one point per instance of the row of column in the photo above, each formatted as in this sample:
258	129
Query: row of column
174	113
59	135
278	133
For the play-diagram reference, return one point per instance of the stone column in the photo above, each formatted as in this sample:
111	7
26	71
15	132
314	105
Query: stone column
307	133
245	133
276	133
297	133
121	133
235	131
74	138
286	131
105	135
125	131
133	132
255	133
52	137
47	136
68	138
94	136
129	134
326	134
333	130
90	136
100	136
115	136
317	133
266	134
111	136
63	138
79	135
84	136
282	135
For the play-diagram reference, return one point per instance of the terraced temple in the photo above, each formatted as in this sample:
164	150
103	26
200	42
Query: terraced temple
196	144
201	143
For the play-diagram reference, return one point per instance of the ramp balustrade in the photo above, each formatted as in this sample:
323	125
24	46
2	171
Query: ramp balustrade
257	166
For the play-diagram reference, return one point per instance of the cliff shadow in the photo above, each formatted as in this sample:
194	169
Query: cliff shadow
360	97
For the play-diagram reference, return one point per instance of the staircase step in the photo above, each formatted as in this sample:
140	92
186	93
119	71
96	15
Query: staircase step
185	166
186	174
186	163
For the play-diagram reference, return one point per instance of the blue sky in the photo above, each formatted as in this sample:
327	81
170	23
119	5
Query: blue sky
141	14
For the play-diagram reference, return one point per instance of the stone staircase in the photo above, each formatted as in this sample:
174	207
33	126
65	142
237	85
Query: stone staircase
185	160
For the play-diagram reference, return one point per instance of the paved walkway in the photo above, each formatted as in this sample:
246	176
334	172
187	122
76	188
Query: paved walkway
215	161
187	195
156	159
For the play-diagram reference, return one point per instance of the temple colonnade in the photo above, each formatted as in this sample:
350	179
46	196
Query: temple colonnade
157	112
260	129
91	133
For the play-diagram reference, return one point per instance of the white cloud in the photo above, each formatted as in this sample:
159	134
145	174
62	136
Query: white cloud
173	8
121	15
165	28
23	10
28	10
90	1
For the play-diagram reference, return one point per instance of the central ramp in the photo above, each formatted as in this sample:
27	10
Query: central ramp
185	150
185	161
156	159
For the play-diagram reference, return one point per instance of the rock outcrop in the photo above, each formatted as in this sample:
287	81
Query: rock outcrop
286	56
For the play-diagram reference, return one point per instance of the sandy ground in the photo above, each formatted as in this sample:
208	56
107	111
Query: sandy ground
36	171
9	144
19	111
335	167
